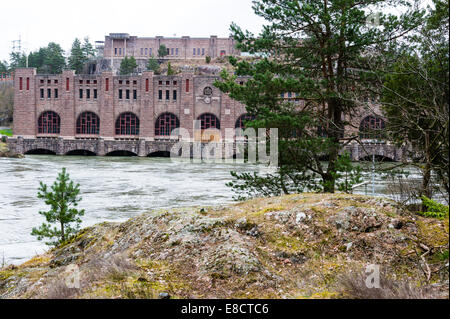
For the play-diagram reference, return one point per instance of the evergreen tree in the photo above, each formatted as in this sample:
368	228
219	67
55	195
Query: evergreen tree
170	71
315	49
153	65
36	59
17	60
87	48
415	97
77	57
54	60
162	51
63	198
4	66
128	65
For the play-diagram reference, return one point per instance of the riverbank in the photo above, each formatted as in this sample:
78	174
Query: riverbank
6	152
297	246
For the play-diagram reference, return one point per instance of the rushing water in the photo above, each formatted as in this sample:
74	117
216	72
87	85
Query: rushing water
113	189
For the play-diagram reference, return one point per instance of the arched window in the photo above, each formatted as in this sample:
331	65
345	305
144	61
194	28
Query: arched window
209	121
165	124
49	123
372	127
240	122
88	123
127	124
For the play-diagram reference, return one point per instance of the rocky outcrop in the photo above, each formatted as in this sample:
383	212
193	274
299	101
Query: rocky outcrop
297	246
6	152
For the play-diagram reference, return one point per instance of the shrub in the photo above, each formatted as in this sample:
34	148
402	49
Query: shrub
435	209
153	65
170	70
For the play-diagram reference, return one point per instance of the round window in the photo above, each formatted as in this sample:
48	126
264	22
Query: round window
207	91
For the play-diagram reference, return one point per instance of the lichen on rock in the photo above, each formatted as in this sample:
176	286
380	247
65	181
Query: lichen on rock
295	246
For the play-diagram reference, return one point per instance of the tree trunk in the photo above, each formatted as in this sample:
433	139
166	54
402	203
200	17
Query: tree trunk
426	179
334	131
63	236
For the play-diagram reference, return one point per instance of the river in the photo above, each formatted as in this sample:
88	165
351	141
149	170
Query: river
113	189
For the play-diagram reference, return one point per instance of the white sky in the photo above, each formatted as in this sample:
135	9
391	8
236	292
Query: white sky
39	22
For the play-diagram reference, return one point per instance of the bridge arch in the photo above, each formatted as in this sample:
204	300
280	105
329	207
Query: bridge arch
121	153
159	154
378	158
80	152
40	151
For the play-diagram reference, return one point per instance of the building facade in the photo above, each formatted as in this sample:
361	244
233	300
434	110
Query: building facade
103	114
118	45
144	107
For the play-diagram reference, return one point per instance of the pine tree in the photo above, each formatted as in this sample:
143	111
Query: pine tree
88	49
128	65
316	50
162	51
153	65
77	57
415	98
54	60
3	66
63	198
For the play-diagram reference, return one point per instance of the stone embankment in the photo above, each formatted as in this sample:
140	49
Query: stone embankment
6	152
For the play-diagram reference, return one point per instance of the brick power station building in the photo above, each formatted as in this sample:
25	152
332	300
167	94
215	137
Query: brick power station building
107	114
102	114
118	45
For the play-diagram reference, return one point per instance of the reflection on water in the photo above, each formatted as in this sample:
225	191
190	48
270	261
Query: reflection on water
113	189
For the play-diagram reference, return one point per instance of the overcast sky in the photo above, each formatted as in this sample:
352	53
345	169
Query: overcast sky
39	22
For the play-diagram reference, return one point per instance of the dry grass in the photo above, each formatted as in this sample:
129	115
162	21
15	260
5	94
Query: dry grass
353	286
59	290
116	268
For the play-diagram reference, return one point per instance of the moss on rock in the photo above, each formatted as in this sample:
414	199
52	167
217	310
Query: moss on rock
293	246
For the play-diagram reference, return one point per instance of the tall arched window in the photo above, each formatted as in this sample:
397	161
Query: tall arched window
165	124
209	121
127	124
49	123
240	122
372	127
88	123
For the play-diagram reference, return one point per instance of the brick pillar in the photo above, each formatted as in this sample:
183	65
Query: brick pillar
213	46
147	120
67	103
106	102
187	103
25	117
